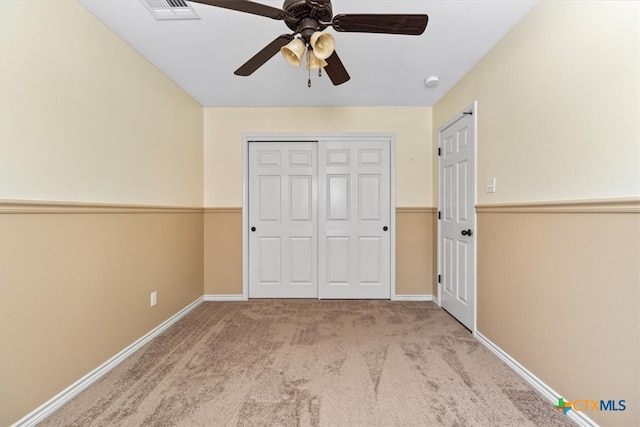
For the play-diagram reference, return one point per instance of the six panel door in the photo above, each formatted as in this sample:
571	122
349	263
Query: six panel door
354	246
457	183
283	198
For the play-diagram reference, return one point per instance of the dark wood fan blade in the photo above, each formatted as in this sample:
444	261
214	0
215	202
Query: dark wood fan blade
412	25
335	70
259	59
247	6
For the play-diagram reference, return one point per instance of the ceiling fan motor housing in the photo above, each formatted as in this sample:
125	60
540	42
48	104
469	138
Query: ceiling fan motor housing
302	12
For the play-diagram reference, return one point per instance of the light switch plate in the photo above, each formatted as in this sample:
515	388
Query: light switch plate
491	185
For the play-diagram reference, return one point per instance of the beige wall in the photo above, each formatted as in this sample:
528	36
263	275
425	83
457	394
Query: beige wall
86	118
224	129
559	292
416	251
558	107
223	251
76	288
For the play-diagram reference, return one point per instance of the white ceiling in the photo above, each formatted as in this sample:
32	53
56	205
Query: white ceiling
386	70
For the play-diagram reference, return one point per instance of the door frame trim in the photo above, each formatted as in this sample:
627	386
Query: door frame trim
474	109
315	137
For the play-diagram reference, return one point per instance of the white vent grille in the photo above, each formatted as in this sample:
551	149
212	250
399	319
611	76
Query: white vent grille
170	9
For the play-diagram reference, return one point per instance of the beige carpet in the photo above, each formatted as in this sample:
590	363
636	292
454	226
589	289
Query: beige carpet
311	363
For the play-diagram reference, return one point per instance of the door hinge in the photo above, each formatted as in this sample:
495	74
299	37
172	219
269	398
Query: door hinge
439	151
439	214
439	278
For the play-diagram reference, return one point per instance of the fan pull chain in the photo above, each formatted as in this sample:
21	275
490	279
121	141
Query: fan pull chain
308	65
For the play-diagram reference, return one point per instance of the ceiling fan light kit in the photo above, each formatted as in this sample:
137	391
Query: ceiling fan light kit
323	44
313	62
308	19
294	51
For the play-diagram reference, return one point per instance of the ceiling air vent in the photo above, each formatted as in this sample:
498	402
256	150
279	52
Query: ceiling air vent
170	9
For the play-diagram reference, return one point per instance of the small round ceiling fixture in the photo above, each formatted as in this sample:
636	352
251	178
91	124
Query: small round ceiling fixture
432	81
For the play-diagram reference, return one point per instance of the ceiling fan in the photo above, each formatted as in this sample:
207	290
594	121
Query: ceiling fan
307	19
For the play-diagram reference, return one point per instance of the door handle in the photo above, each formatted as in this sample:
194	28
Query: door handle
253	229
467	232
385	228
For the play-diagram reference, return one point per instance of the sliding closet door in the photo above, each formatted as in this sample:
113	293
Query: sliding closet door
283	257
354	219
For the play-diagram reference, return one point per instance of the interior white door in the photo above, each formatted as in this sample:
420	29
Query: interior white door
283	255
354	220
457	223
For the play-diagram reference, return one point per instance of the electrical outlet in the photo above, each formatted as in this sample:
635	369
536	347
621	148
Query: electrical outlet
154	298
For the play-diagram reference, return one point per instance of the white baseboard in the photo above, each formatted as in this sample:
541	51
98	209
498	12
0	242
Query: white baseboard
412	298
49	407
238	297
576	416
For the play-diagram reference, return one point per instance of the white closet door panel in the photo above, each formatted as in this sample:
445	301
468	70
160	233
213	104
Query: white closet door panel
338	260
338	197
283	220
301	201
270	260
301	251
370	260
355	192
270	191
